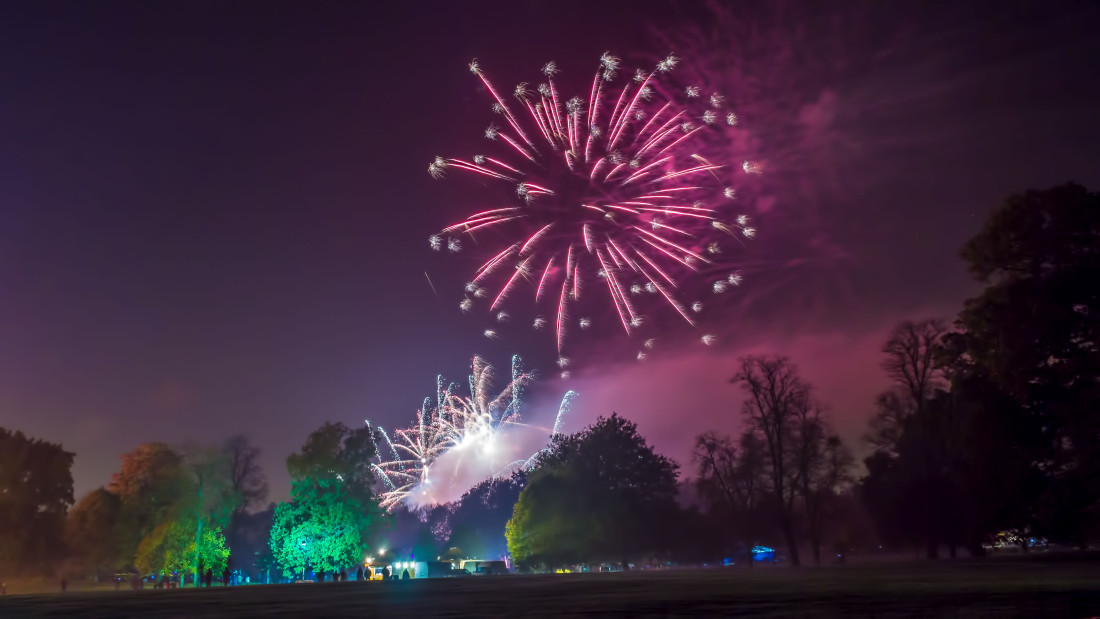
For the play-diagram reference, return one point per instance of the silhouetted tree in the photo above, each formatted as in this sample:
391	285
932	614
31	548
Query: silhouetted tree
247	482
988	463
1035	333
36	490
824	471
774	394
912	363
246	477
910	488
732	482
1009	433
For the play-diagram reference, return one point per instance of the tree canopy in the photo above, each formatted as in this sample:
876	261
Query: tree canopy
601	494
335	452
91	531
174	506
36	490
1034	333
326	523
320	528
1008	435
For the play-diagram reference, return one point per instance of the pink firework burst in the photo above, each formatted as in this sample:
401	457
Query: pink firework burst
610	192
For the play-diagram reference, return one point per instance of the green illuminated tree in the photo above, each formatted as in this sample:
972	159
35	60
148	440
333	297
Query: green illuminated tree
320	528
172	547
207	500
326	523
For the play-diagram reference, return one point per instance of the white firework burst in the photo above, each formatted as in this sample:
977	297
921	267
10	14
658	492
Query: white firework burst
437	168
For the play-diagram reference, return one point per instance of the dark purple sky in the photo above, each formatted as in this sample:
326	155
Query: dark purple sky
214	217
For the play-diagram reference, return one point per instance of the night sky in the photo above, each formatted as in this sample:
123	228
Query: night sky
214	216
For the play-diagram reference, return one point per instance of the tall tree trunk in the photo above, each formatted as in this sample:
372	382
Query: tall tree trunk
931	539
198	530
816	522
792	545
198	542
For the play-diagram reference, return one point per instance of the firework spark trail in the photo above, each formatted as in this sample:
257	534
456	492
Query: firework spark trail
603	178
469	426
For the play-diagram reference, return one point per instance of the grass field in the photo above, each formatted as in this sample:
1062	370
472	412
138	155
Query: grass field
992	588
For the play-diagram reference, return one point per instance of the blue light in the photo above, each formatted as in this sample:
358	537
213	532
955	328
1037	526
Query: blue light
763	553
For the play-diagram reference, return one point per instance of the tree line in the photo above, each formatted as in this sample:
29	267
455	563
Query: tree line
991	424
994	422
166	511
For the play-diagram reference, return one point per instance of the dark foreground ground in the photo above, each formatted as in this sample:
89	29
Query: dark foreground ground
994	588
